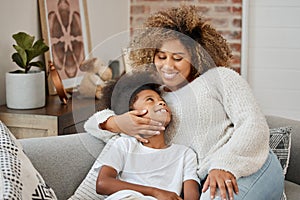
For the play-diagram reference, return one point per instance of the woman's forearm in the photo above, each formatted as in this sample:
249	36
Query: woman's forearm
110	125
92	125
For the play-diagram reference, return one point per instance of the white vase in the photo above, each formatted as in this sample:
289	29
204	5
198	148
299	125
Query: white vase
25	91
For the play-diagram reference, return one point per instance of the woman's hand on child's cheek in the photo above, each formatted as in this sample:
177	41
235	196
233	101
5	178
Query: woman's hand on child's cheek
134	124
222	180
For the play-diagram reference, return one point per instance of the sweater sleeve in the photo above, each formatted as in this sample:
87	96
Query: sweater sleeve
248	145
92	125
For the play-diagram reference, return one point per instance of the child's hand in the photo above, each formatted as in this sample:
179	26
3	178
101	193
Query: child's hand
134	124
166	195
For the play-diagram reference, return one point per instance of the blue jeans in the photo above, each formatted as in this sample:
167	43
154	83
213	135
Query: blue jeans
266	184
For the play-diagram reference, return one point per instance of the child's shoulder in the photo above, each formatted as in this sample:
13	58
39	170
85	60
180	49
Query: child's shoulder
126	140
182	148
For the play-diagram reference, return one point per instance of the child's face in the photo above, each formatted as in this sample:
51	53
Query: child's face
152	102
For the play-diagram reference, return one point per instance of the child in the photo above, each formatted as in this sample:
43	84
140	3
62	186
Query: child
152	170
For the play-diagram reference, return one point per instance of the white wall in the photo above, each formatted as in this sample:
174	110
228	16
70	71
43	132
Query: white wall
273	69
109	26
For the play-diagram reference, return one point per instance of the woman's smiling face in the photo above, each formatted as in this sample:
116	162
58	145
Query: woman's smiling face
173	63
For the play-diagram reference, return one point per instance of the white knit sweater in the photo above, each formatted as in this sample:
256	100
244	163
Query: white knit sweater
218	117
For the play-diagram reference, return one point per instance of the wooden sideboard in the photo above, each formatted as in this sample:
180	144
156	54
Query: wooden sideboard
53	119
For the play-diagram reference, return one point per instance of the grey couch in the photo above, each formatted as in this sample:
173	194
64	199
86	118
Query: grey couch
64	161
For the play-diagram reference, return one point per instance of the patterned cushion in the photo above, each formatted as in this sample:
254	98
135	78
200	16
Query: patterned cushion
19	179
280	143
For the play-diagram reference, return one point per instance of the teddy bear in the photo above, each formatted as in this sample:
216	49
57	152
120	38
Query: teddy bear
95	76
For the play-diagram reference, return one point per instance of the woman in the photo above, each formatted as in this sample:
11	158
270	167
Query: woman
214	111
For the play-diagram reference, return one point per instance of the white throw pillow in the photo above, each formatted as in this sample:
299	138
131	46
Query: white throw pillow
19	178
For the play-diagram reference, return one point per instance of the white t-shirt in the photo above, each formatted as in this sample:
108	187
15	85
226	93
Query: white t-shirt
164	168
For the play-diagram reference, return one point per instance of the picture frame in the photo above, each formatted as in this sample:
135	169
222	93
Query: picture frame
65	29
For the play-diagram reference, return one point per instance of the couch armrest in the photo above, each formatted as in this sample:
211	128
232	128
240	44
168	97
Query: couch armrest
294	163
63	161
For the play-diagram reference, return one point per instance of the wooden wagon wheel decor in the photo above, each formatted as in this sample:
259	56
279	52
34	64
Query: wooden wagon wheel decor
65	29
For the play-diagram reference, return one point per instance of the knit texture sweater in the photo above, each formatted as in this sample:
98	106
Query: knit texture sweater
218	117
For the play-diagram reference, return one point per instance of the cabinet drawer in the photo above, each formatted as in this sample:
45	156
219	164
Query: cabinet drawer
27	126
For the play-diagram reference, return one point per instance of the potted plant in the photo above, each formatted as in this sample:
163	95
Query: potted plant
25	87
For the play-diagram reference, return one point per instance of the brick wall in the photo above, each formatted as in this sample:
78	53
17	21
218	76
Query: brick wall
224	15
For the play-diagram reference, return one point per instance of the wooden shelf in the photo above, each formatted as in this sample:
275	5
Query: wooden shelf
53	119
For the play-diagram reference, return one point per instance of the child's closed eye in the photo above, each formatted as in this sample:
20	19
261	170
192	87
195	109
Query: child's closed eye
149	99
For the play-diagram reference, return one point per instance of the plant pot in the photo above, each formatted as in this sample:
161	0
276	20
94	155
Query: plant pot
25	91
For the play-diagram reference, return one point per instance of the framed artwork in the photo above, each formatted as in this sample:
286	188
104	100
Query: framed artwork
65	29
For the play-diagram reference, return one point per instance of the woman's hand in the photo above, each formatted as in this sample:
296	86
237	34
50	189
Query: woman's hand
134	124
223	180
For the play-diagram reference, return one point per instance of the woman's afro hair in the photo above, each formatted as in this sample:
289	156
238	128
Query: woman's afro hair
179	21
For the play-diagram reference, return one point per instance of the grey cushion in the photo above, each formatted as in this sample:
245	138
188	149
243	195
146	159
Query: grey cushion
291	190
68	158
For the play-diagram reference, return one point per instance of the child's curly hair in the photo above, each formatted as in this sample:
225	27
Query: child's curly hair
119	94
207	47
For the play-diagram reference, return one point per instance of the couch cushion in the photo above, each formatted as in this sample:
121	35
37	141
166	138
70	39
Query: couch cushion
294	164
67	156
280	143
19	179
292	190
